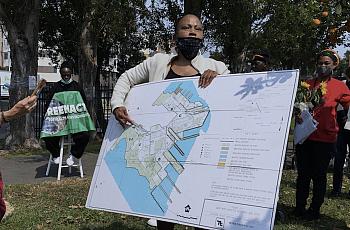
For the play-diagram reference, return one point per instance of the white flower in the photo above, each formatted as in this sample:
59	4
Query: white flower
310	105
302	106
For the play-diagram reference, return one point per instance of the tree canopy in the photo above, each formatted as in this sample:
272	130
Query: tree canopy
283	27
91	32
114	26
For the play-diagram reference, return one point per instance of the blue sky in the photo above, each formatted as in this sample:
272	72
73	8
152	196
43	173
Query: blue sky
342	49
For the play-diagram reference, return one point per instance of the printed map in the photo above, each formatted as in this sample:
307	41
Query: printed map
205	157
163	148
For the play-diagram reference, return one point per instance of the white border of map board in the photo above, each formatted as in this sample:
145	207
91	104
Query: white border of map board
109	130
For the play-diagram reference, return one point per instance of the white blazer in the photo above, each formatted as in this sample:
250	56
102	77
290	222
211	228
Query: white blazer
156	68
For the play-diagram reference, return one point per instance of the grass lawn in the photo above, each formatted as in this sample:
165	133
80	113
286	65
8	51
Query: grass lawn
93	147
60	205
335	212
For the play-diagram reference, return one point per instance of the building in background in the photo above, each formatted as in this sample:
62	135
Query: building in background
46	69
5	60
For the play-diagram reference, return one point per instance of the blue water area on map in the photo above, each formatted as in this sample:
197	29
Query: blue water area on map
162	192
172	173
191	132
205	126
185	146
160	197
187	86
167	186
134	187
175	153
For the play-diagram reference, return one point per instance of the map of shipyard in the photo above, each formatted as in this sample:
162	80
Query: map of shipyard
149	161
204	157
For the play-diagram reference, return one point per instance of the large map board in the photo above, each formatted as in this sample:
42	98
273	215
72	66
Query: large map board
211	158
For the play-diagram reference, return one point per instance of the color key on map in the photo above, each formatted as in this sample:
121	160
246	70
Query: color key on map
225	147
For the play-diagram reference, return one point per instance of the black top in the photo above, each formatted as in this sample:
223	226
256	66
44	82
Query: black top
348	84
61	87
173	75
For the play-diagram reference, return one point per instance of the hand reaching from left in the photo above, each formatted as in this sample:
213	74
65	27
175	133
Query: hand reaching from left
22	107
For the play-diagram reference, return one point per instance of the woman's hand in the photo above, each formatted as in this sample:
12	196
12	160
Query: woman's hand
206	78
121	114
297	115
299	119
22	107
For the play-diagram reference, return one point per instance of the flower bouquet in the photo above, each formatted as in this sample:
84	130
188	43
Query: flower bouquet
306	99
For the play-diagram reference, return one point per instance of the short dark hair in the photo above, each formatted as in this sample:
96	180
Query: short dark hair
67	64
261	55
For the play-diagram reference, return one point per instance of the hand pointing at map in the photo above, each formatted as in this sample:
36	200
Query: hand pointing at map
121	114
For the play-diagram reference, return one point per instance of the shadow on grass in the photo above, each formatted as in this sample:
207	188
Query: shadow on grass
119	225
94	146
325	222
41	171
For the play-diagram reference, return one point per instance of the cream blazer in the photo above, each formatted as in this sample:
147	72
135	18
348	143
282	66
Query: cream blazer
156	68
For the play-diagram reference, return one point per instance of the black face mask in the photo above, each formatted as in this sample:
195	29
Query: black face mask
189	47
258	66
324	71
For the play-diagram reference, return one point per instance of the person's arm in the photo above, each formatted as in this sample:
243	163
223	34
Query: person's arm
342	117
222	68
22	107
138	74
344	99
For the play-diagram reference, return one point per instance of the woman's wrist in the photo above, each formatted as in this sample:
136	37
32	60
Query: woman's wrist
6	116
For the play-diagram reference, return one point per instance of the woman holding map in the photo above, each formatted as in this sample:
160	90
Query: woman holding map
187	62
314	154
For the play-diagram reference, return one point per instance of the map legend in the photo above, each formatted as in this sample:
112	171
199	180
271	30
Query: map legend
224	150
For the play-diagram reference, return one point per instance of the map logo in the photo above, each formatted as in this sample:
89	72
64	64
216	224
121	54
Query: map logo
188	208
220	223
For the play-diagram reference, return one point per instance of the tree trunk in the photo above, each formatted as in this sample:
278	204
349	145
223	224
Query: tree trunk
22	29
100	117
193	7
88	62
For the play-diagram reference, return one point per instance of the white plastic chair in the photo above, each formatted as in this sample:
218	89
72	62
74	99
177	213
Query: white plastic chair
63	143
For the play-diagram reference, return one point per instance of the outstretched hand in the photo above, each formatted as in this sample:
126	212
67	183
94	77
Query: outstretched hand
121	114
22	107
206	78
